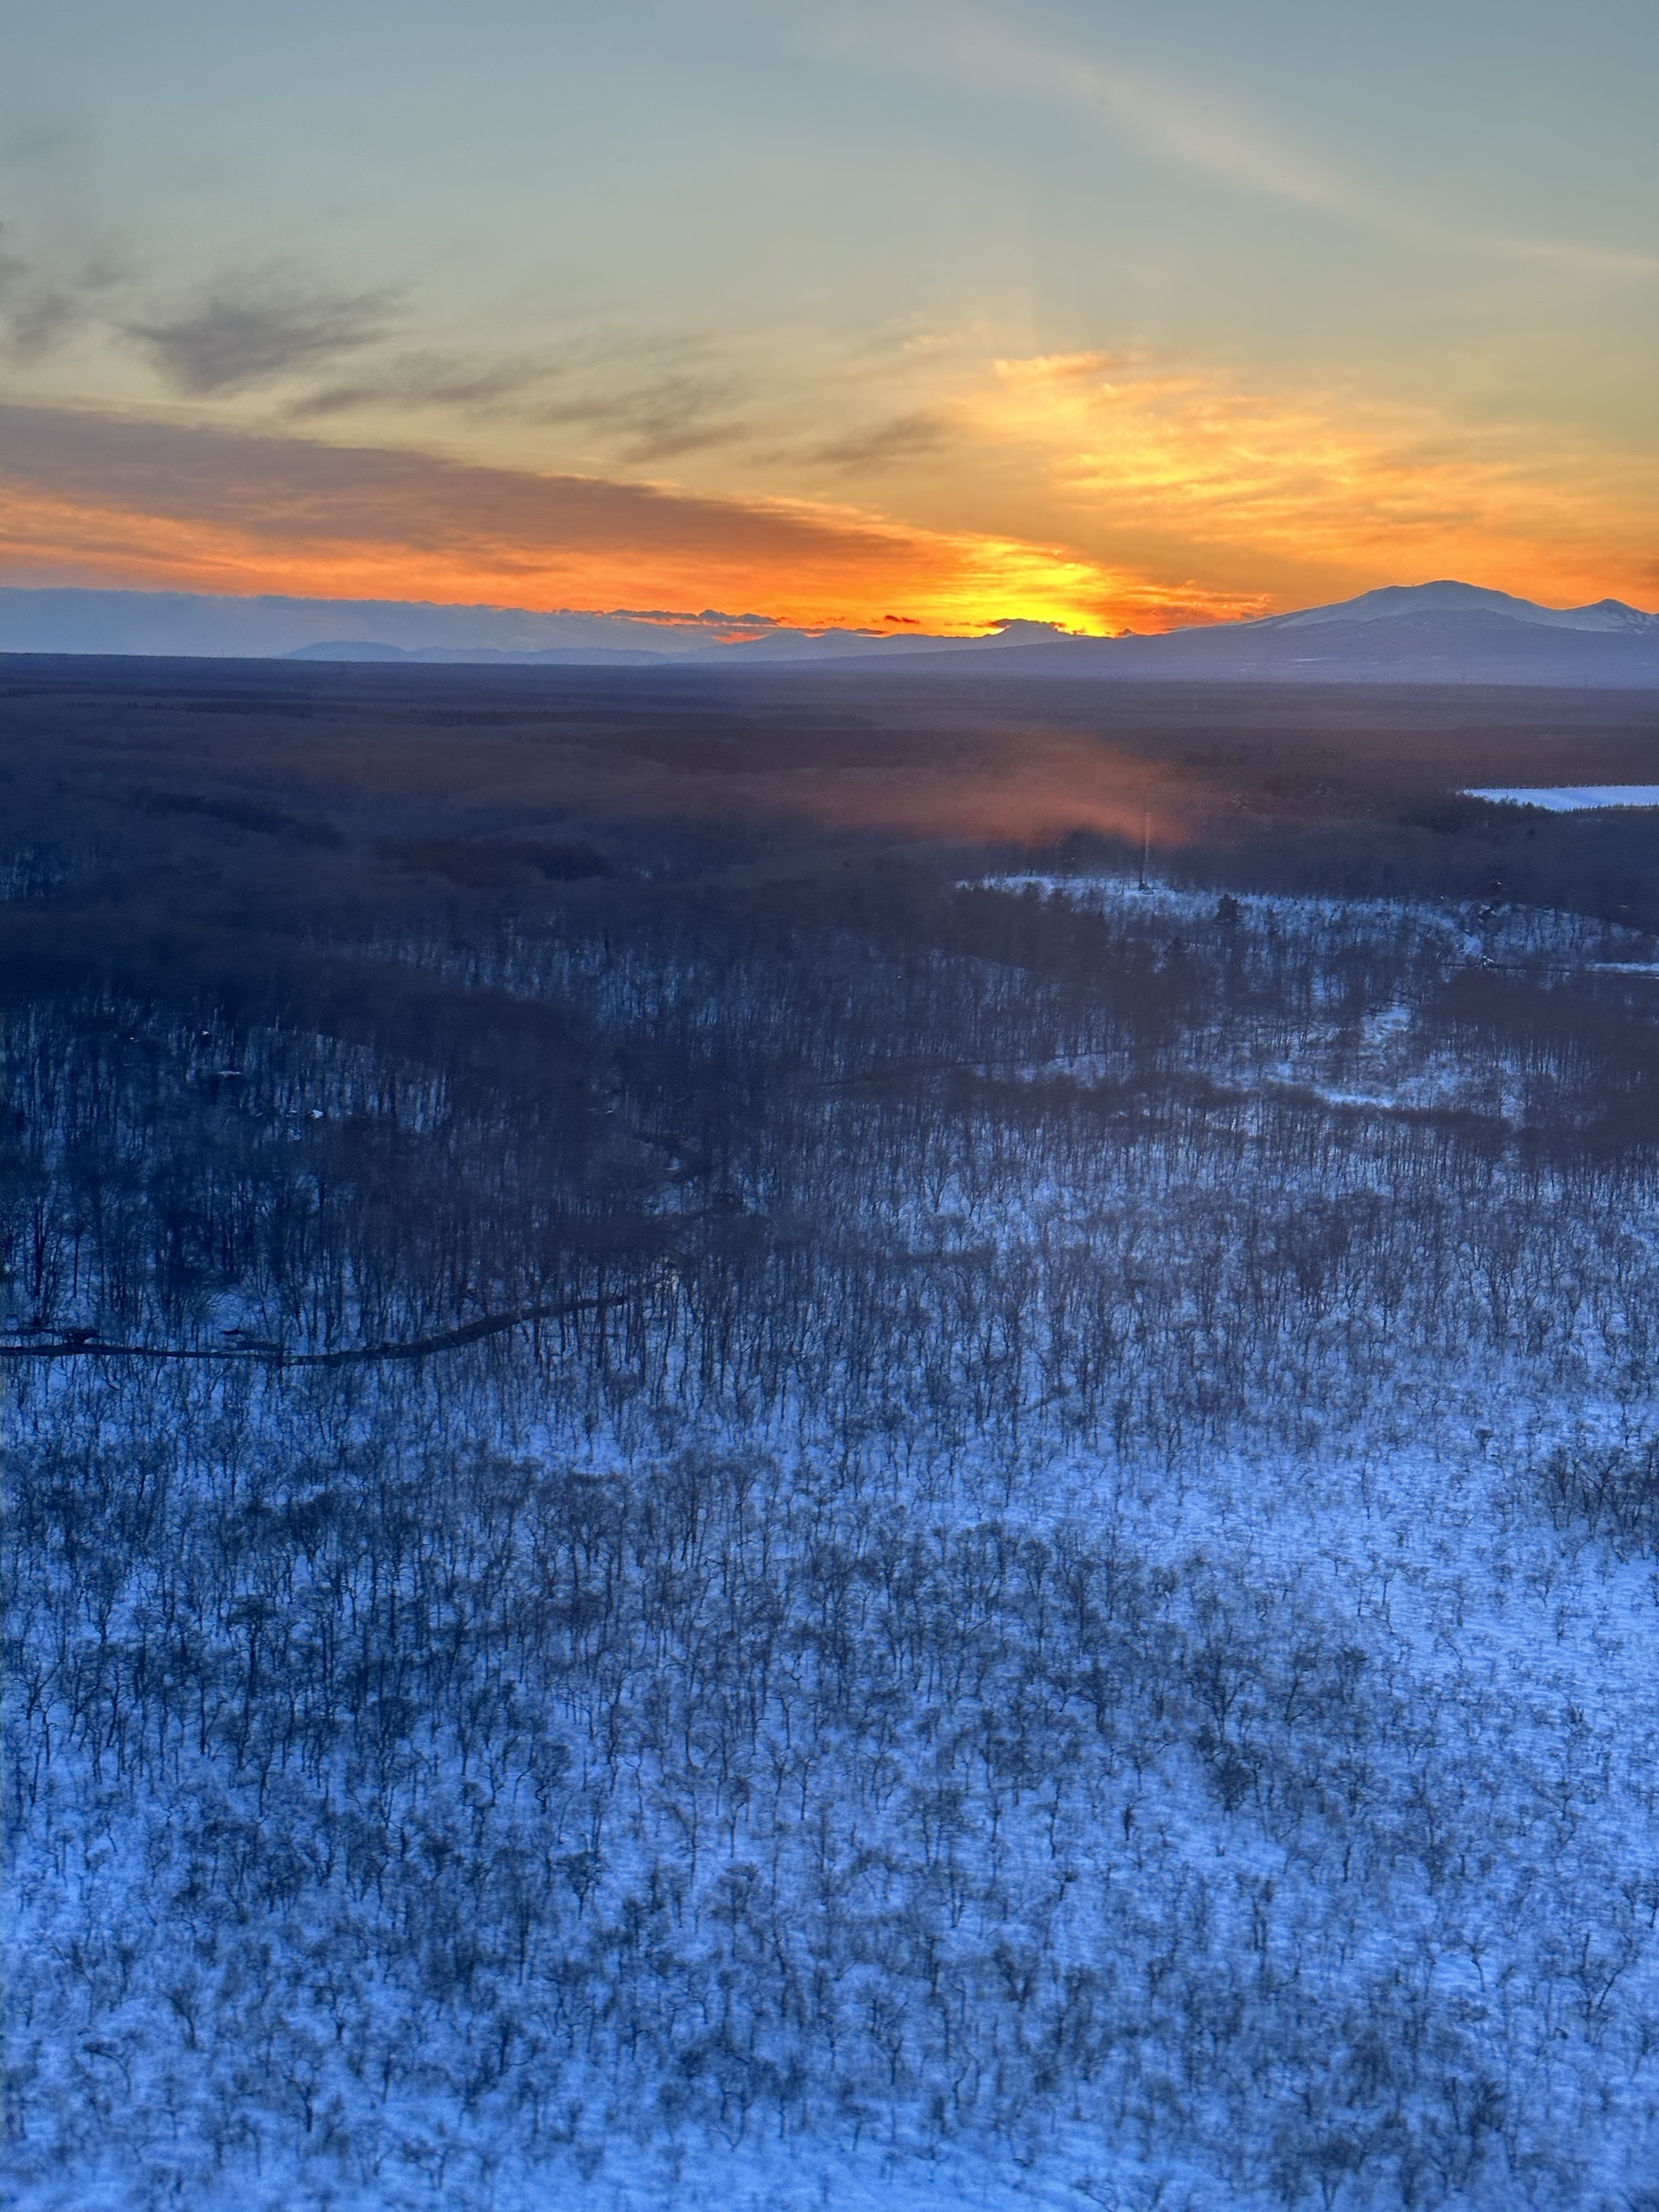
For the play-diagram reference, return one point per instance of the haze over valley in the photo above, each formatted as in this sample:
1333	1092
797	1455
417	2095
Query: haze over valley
1436	633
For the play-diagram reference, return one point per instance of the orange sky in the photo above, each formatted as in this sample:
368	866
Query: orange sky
799	565
1108	317
175	506
1222	501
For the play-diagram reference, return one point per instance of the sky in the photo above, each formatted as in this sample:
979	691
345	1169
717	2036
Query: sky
916	314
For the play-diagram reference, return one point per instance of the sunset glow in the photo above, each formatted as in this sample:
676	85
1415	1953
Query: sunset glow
1183	338
465	536
1382	492
847	573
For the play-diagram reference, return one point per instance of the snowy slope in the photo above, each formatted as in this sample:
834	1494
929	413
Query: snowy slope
1139	1695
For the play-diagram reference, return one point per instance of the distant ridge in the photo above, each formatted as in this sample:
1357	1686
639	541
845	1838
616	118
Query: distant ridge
360	649
1408	602
1438	633
200	625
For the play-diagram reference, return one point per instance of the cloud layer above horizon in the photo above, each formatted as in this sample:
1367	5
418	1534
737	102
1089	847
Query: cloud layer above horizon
939	314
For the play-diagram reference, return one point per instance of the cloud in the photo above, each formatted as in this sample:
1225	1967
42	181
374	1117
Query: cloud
1199	129
1205	131
41	306
1167	495
416	382
901	438
1588	260
1337	482
100	499
250	333
651	396
1189	124
1202	131
656	420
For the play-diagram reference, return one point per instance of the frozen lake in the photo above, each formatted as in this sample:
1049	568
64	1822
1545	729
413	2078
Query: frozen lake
1571	798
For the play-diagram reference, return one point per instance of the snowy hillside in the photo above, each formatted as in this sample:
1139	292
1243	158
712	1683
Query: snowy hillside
1068	1618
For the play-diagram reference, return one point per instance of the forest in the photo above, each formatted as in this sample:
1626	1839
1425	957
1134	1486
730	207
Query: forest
788	1441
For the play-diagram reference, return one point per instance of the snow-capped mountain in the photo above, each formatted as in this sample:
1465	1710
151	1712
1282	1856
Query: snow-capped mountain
1394	603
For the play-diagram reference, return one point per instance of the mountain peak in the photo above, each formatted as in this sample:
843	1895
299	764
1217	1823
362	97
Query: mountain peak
1446	595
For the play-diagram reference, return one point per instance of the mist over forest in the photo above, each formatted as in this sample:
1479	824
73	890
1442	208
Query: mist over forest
799	1439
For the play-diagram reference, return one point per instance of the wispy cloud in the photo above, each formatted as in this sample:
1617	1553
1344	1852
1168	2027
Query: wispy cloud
1202	131
655	419
649	397
1573	253
256	332
43	301
1192	125
880	445
1198	128
414	383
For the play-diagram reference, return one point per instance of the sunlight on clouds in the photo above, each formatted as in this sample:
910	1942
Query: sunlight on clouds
1385	492
795	562
1134	495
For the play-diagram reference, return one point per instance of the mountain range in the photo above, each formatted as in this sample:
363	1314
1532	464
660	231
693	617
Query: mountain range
1443	632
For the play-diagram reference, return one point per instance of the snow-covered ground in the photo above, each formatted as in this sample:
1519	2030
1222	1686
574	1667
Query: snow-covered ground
1152	1707
1570	797
1371	1056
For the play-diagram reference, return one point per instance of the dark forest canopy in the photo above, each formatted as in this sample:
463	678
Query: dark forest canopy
225	878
